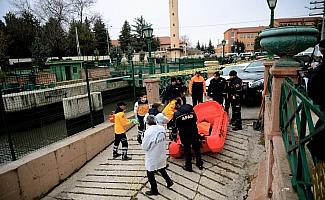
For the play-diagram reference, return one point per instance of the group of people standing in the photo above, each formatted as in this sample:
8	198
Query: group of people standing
225	92
182	122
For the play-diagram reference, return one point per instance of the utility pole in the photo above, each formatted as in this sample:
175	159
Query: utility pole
319	5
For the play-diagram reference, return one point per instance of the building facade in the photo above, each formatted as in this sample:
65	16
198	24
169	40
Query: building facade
247	35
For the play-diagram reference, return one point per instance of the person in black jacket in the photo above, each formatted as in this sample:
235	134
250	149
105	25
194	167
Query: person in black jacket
172	91
184	121
182	89
315	86
235	96
217	88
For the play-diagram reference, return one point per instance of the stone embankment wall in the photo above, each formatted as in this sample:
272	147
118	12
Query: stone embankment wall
37	98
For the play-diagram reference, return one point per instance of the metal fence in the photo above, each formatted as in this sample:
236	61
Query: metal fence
298	125
30	120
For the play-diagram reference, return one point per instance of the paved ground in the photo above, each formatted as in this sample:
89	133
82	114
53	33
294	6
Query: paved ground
226	175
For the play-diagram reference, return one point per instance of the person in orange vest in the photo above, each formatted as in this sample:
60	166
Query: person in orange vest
197	88
121	123
141	108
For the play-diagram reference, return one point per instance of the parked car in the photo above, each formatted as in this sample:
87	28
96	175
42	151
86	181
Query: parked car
253	82
252	75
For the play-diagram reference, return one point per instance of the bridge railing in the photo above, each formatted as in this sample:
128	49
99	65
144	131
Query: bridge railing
297	123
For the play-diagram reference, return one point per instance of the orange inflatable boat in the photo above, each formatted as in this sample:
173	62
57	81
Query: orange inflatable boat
212	123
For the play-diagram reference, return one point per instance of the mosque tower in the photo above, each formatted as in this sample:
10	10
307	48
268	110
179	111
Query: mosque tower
175	51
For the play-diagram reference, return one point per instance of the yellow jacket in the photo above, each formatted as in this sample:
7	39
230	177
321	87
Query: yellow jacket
121	122
170	109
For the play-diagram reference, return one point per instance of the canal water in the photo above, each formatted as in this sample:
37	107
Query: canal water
32	139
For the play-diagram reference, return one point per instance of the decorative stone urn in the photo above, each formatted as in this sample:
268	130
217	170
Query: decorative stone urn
287	41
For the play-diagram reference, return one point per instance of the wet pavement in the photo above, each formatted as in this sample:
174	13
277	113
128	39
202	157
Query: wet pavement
226	175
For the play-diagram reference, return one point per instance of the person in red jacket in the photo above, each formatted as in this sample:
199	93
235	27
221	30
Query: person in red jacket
197	88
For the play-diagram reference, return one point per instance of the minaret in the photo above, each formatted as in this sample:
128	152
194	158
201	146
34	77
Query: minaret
175	51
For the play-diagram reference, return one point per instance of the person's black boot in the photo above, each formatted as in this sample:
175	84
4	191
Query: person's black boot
139	139
189	169
115	154
150	193
170	183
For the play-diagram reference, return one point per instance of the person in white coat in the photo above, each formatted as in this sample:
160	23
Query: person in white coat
154	145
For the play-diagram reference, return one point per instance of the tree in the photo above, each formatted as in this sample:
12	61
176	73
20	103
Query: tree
198	47
3	37
116	54
79	7
155	44
257	46
129	54
55	38
21	31
203	48
238	47
210	48
139	40
40	52
101	37
61	10
85	36
125	37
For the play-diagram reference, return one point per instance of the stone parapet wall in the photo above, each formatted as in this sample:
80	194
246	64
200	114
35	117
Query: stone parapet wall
36	98
278	180
37	173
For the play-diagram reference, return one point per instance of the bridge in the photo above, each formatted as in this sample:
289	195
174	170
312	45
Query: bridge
286	171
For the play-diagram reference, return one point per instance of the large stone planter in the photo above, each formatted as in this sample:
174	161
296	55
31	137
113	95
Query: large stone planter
287	41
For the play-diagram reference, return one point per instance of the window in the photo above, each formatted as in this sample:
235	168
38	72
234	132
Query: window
173	35
174	45
232	34
173	24
173	14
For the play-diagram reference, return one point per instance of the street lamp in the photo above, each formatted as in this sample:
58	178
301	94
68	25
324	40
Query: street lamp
272	4
223	42
147	32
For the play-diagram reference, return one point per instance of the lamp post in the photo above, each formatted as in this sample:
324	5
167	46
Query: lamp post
147	32
223	42
272	4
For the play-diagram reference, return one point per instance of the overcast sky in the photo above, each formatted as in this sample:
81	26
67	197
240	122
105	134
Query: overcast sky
199	19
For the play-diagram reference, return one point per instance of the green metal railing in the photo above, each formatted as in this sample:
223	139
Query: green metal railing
298	128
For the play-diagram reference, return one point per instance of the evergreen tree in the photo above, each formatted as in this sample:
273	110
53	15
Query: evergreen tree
71	38
55	38
203	48
155	44
21	32
40	52
86	39
139	40
238	47
125	37
257	46
101	37
210	48
116	54
198	47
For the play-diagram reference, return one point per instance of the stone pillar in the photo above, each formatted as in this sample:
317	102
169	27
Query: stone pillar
152	89
77	112
279	73
267	65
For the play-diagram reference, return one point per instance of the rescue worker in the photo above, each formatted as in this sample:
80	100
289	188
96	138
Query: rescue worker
235	95
121	123
156	110
184	121
172	91
154	145
197	88
315	83
217	88
141	108
182	89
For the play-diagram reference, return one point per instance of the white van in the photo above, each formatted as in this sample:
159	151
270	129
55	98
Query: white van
246	56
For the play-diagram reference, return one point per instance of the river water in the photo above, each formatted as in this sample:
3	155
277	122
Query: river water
30	140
